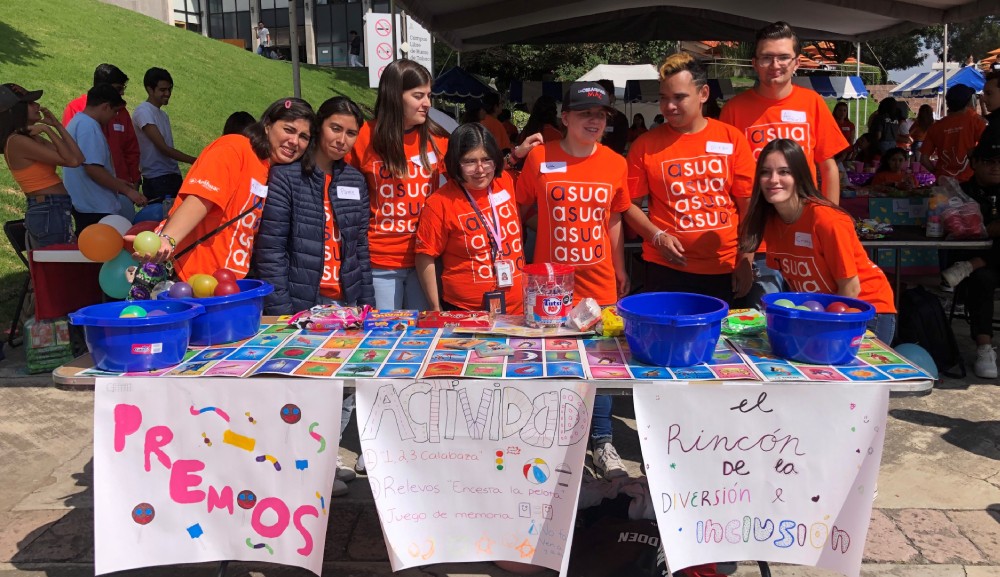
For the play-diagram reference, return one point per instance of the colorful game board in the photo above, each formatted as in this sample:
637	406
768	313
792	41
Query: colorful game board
533	359
875	362
610	358
280	349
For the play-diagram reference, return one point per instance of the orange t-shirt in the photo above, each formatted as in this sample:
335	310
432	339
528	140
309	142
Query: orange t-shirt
450	229
692	181
329	283
802	116
576	197
953	138
230	178
396	202
498	131
549	134
821	247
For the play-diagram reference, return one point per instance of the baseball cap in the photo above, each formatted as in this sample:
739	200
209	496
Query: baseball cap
11	94
585	95
958	96
989	144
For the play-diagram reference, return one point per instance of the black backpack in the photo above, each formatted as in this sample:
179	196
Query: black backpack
921	320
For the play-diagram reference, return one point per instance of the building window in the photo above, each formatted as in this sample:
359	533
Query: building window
187	14
230	19
332	22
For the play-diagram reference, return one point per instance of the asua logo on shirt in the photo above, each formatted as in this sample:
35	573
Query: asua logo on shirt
760	135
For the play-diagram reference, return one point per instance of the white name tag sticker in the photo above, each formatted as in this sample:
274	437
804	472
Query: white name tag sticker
793	116
118	127
431	158
499	197
803	239
348	192
609	129
258	189
550	167
719	147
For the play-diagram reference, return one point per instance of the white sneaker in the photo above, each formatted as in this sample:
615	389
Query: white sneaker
986	362
956	273
339	488
345	474
607	462
360	465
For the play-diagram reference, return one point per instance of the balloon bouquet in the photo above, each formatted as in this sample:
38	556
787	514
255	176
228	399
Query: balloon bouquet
104	242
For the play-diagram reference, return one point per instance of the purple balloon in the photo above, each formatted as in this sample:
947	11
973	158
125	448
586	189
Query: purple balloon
814	306
156	313
180	290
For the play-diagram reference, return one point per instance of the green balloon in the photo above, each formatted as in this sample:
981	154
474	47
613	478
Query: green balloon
784	303
112	276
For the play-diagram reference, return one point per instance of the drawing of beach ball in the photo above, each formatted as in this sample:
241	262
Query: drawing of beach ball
143	513
536	471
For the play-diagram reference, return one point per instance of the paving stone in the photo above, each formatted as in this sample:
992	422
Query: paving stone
68	540
886	543
367	542
20	528
937	538
343	519
982	528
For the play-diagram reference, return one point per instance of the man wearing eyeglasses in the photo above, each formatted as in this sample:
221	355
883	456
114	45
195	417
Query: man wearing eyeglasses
120	133
776	108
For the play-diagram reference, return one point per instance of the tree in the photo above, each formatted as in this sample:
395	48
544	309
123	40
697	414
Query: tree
972	38
894	53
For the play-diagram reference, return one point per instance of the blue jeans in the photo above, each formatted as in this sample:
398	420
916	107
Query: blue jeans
49	221
600	423
884	327
345	413
398	288
768	281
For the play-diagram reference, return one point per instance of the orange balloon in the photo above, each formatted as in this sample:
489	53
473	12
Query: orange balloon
100	242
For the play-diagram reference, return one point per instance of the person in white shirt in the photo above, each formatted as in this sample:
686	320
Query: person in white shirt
161	175
263	39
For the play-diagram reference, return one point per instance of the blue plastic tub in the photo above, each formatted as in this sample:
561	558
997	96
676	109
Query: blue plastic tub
672	329
230	318
137	344
815	337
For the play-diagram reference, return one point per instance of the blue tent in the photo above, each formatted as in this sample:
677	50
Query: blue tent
929	83
845	87
457	85
527	91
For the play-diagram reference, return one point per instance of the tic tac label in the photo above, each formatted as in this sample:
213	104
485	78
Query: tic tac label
147	349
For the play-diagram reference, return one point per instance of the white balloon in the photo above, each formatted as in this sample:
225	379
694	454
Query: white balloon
117	222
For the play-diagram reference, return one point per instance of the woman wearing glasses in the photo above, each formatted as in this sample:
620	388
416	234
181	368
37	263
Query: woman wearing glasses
472	224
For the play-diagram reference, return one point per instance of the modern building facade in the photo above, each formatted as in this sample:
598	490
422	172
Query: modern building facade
323	25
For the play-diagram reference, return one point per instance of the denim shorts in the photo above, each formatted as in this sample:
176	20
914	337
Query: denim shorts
49	221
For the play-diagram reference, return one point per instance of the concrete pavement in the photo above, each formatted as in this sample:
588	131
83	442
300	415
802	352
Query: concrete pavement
937	512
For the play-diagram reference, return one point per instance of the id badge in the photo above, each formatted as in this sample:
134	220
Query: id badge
495	303
505	273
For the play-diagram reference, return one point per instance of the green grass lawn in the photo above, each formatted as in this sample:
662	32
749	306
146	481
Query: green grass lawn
54	45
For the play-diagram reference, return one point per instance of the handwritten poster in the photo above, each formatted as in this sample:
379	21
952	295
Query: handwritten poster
475	470
781	473
193	470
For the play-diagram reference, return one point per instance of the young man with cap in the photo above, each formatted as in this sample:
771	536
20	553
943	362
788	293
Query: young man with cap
93	186
698	174
161	176
953	137
776	108
120	132
616	133
980	271
580	188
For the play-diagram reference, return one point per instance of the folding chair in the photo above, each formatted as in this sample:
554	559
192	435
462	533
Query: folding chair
17	236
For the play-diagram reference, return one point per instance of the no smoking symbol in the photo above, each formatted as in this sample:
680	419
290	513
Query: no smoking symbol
382	27
383	51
